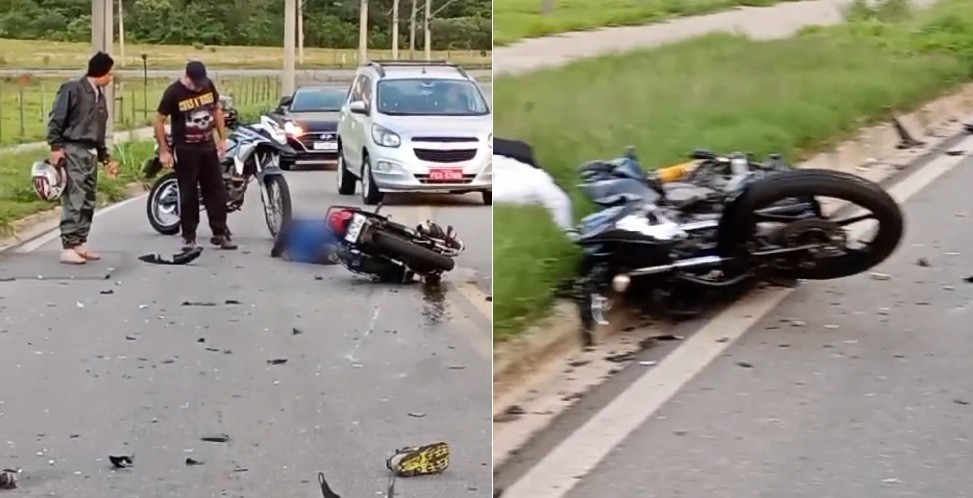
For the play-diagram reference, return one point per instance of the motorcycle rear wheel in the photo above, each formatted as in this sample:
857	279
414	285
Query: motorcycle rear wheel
418	258
739	222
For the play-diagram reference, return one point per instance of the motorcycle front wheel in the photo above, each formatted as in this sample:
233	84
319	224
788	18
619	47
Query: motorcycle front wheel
277	203
162	205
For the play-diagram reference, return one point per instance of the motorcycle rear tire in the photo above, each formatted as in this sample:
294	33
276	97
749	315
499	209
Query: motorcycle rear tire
150	203
418	258
738	223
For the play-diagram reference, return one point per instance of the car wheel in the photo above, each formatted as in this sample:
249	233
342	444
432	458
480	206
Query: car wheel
346	181
369	192
488	197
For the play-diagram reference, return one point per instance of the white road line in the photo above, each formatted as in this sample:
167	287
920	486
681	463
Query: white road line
577	455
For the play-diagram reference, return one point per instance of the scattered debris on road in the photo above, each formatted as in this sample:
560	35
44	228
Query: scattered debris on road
744	364
199	303
181	258
121	461
190	462
923	262
8	478
880	276
217	438
277	361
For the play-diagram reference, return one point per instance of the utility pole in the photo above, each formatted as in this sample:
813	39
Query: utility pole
412	29
300	31
121	34
290	36
363	33
102	28
395	29
425	22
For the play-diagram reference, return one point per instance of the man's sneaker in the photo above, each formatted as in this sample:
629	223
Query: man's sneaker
223	242
188	244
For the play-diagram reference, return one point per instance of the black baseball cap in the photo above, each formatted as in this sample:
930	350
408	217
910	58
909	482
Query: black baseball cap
196	72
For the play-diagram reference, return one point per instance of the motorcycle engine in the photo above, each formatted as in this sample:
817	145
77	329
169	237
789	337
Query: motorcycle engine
236	186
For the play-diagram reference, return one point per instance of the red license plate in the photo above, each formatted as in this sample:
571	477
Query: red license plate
446	174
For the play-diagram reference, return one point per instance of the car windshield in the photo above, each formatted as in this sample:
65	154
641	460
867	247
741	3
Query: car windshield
430	97
318	100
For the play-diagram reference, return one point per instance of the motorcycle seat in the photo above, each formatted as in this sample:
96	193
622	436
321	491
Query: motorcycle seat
702	154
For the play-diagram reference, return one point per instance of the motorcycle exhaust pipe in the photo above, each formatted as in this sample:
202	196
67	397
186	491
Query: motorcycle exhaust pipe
621	281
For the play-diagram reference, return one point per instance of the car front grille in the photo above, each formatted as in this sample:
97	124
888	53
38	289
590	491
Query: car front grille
311	137
445	156
446	140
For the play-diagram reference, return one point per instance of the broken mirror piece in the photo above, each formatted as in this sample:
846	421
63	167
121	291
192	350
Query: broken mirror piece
181	258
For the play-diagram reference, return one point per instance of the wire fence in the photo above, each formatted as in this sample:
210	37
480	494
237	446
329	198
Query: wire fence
25	102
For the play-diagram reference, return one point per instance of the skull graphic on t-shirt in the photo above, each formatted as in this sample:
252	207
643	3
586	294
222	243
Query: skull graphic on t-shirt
198	113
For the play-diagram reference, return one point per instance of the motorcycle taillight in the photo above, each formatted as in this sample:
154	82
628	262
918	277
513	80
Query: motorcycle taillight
338	221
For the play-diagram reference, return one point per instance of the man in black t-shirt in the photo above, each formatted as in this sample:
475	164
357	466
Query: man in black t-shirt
193	104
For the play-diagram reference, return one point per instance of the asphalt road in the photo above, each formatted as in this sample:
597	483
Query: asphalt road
112	362
851	388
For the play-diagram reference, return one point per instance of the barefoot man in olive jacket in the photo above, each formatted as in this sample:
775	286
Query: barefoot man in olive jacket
76	134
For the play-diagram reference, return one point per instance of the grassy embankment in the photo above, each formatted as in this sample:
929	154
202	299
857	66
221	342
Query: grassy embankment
722	92
17	197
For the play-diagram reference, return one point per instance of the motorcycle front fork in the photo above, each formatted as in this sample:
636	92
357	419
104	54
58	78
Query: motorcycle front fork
593	302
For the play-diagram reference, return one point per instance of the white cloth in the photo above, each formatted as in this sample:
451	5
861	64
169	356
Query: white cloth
517	183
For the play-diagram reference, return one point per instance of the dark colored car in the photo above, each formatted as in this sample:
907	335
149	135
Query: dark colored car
310	119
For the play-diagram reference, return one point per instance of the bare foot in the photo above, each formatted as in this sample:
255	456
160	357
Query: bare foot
72	257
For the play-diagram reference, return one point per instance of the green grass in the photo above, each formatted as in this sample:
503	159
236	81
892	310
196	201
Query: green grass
26	101
17	197
38	54
720	92
517	19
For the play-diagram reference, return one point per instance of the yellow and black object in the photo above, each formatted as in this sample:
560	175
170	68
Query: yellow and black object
424	460
676	172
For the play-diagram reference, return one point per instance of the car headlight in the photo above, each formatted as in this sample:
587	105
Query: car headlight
292	129
490	141
385	137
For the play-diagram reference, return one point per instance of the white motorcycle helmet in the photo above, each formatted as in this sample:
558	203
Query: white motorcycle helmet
49	183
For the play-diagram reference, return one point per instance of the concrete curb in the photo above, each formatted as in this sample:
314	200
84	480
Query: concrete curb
871	154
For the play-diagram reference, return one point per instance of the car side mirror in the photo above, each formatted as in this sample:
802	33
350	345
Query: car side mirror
358	107
285	102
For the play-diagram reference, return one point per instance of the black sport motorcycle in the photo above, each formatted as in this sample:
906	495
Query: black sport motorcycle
254	151
374	245
729	222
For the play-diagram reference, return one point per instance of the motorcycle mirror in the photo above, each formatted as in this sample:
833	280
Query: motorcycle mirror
378	207
630	153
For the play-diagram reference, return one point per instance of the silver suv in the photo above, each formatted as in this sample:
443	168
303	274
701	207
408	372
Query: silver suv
415	127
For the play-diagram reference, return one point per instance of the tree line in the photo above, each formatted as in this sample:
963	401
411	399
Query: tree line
456	24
